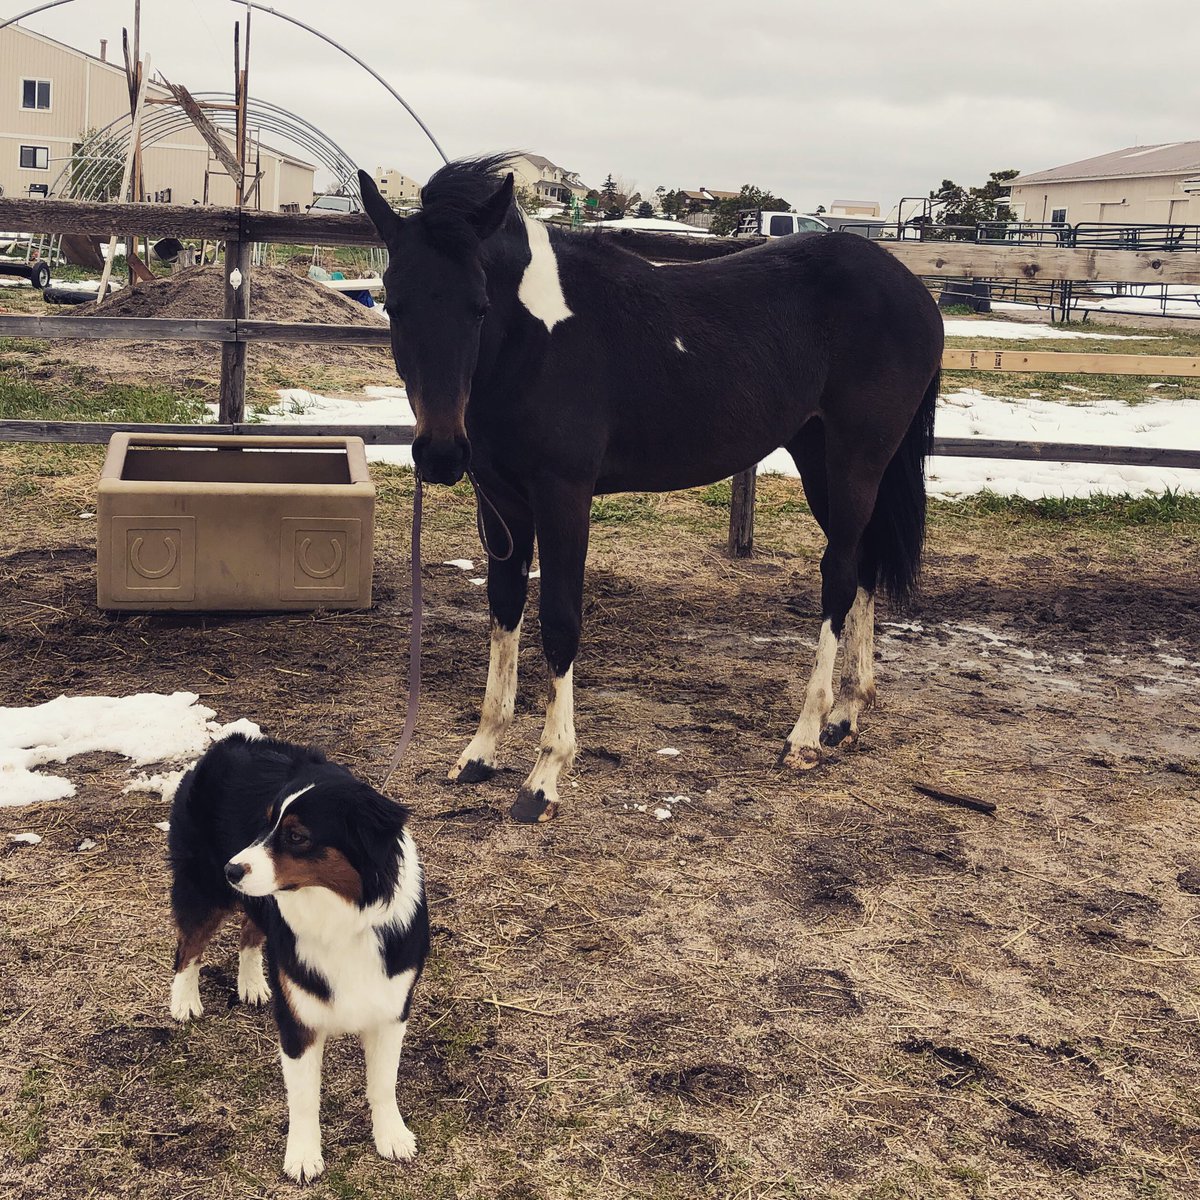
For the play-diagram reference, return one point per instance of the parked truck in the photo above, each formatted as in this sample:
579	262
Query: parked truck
757	222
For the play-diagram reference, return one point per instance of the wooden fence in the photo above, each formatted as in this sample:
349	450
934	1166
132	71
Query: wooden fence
240	228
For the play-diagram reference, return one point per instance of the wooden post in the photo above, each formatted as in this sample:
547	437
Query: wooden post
233	354
741	514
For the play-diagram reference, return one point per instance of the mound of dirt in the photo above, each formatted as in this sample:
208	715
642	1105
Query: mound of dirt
276	294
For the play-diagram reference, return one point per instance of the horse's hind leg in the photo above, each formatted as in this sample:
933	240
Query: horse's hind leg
857	693
844	511
508	582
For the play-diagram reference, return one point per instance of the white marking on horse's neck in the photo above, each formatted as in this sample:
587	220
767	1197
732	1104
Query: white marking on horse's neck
540	290
680	346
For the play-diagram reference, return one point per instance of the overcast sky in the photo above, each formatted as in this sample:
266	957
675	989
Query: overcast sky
848	99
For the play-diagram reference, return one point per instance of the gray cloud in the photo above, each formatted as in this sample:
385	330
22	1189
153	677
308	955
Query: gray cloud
816	101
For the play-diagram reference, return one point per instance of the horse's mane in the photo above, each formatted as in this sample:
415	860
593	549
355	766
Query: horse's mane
454	193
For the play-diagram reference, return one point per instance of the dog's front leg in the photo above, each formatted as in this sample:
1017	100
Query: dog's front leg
381	1048
302	1159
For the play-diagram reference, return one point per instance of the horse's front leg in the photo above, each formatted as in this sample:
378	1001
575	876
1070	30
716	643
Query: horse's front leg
562	512
508	582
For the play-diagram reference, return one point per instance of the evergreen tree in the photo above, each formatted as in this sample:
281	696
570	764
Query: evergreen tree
645	209
955	205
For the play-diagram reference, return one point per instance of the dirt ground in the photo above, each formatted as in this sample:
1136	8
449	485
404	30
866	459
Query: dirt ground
827	985
277	294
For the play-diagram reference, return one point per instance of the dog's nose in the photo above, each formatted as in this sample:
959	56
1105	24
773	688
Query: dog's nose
234	872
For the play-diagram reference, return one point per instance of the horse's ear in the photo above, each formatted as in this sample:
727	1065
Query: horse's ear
382	214
490	215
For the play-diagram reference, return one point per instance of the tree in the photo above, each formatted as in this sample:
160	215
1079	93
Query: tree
525	197
725	215
955	205
645	209
671	204
820	209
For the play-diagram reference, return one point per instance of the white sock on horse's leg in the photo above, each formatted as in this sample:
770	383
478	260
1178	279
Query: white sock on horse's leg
803	747
857	692
478	760
538	797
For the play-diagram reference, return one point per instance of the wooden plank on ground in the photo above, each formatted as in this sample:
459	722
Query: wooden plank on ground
1068	363
970	260
98	432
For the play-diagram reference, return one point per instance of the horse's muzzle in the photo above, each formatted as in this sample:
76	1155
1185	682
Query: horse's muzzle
440	460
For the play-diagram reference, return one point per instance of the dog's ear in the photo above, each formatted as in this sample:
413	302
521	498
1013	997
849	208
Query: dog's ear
374	825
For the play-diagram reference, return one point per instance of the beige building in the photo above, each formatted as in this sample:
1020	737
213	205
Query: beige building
854	208
546	180
1155	185
52	94
396	187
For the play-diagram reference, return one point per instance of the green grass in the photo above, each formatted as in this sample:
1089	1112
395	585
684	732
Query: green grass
1169	508
24	399
25	1133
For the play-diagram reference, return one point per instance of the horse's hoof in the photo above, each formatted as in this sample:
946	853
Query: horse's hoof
834	734
530	808
475	771
799	758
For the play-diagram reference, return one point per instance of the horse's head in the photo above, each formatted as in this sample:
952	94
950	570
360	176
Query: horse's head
436	300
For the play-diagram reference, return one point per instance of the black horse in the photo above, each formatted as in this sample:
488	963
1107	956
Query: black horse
557	366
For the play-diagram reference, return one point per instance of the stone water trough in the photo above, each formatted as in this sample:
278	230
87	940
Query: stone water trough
196	523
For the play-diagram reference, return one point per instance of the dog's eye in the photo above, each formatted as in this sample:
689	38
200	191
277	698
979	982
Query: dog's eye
296	837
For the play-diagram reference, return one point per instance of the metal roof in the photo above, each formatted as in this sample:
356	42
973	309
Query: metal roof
1167	158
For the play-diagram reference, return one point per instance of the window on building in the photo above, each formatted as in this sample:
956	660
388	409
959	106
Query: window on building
35	93
1058	216
35	158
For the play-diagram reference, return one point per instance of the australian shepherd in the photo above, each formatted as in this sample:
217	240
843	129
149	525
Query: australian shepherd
325	875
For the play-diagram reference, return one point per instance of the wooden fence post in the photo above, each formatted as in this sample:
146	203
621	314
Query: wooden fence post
741	514
233	354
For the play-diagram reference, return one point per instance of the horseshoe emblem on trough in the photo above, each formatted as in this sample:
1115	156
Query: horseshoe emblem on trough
321	572
135	558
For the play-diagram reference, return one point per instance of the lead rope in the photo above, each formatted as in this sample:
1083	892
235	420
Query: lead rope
414	642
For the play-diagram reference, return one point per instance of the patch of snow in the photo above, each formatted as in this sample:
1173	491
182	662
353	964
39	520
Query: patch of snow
478	581
145	728
663	814
463	564
1028	330
86	844
163	785
165	826
669	752
87	516
25	839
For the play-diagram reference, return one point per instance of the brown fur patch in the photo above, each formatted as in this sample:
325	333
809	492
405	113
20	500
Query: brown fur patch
192	941
252	936
328	868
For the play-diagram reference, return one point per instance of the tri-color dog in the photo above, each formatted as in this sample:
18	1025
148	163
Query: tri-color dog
326	876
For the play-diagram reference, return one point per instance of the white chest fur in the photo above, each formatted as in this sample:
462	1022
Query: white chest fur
341	942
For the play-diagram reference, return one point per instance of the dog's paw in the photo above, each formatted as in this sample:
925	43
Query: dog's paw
394	1139
254	992
185	996
303	1161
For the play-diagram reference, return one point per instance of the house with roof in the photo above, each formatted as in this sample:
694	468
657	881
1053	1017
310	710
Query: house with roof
56	94
1155	185
549	182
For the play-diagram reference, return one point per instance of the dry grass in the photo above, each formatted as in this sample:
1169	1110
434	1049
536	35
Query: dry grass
823	986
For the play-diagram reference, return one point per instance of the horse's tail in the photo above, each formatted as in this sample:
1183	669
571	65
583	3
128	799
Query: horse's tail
895	534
